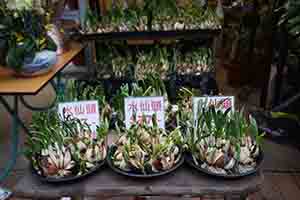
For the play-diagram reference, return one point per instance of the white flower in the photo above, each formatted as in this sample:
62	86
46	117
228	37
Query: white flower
175	108
245	156
59	161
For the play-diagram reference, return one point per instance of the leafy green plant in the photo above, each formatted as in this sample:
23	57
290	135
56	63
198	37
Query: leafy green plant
224	142
291	17
64	147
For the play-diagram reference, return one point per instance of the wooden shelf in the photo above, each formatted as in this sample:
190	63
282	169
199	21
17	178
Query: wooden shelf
204	34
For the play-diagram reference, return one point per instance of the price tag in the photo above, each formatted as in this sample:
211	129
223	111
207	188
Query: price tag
86	111
144	106
220	102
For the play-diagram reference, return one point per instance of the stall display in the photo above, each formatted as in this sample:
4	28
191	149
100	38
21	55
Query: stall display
63	148
143	151
224	144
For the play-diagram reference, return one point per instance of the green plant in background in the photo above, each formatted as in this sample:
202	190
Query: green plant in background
157	7
118	61
91	21
118	19
154	61
190	16
153	14
25	32
195	61
114	61
291	17
222	143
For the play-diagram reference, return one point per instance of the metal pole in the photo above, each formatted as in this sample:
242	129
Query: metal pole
11	112
15	141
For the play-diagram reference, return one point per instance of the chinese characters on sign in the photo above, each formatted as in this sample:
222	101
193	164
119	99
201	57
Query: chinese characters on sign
220	102
86	111
144	106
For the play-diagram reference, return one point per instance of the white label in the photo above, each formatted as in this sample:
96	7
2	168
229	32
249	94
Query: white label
220	102
144	106
86	111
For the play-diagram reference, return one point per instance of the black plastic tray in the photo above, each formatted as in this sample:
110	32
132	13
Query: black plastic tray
189	160
149	35
70	178
139	175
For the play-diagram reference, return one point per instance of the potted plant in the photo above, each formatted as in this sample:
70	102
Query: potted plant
64	150
224	143
144	151
28	46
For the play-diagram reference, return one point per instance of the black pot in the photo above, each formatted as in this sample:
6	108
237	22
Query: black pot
190	161
136	173
69	179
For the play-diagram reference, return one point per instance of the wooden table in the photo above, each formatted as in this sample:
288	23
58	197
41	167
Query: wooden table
10	85
106	183
18	87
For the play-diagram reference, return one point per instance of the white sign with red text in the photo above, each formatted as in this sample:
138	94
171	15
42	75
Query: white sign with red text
86	111
220	102
144	106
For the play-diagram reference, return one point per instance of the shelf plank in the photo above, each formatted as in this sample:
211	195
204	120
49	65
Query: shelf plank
150	35
11	85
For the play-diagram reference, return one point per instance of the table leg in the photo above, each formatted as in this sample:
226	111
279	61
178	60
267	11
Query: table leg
11	112
14	137
32	108
59	88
